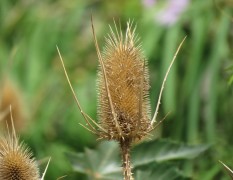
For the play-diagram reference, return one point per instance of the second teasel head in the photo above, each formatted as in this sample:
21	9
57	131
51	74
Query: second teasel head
123	87
16	160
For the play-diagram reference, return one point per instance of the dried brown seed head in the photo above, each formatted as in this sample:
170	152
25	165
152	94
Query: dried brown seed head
16	162
123	84
128	83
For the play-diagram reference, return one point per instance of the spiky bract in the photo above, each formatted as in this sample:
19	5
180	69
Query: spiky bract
128	83
16	162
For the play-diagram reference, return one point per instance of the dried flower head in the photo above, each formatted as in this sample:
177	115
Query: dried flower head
123	88
123	103
16	161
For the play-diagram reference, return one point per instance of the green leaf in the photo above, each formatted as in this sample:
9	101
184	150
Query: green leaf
102	163
150	160
158	171
163	150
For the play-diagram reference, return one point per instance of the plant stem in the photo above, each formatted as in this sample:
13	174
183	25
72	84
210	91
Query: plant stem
125	151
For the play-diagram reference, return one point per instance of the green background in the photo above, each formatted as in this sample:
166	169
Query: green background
198	93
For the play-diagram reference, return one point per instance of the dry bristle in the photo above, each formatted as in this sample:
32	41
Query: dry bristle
16	162
128	83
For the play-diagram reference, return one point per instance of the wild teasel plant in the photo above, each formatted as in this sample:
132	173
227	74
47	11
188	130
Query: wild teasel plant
123	92
16	160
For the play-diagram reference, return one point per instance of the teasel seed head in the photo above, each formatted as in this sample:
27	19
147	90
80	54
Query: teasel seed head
123	88
16	161
127	78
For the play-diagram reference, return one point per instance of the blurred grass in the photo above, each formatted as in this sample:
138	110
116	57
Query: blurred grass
197	91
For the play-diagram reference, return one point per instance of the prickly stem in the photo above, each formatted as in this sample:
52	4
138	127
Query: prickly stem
125	152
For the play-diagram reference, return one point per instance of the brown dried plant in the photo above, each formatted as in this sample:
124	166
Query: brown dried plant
228	170
123	93
10	94
16	160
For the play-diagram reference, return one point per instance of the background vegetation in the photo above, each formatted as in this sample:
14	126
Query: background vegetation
198	92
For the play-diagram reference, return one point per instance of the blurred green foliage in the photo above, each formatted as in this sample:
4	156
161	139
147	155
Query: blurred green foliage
158	159
198	92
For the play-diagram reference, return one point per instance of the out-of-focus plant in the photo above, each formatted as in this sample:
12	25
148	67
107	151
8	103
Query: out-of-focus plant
11	95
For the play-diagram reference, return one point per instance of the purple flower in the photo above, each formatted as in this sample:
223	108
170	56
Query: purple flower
149	3
169	14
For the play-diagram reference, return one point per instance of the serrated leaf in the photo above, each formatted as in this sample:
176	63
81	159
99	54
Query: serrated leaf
163	150
150	160
102	163
158	171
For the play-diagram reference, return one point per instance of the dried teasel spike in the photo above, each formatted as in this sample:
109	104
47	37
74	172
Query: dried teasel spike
46	168
100	127
131	34
229	171
86	117
158	123
119	35
16	161
164	80
85	127
105	80
61	177
74	95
